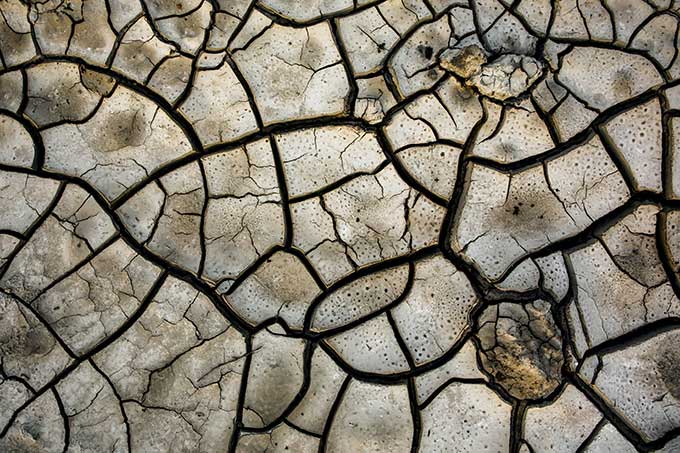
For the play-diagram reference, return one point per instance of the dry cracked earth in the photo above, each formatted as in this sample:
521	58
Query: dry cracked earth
342	226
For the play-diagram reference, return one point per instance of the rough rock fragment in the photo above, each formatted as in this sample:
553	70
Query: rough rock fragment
507	76
464	62
521	347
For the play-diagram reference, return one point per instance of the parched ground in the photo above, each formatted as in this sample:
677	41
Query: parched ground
339	225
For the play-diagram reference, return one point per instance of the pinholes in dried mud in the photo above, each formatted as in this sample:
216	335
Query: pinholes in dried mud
331	225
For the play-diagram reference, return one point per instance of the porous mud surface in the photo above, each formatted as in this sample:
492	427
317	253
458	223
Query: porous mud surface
339	225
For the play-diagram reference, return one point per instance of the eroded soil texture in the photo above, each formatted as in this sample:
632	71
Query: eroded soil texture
340	226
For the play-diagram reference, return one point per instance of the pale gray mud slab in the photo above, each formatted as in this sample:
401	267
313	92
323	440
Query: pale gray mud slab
339	226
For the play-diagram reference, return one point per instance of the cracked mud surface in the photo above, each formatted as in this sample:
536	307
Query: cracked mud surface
339	225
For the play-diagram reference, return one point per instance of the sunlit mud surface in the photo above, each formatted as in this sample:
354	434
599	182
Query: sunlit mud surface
339	225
